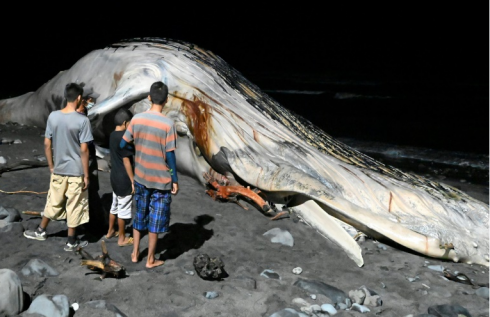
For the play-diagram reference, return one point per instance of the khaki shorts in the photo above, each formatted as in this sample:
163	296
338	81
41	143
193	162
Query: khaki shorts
67	200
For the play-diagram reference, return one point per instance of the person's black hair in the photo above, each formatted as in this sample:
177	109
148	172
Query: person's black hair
72	91
122	115
158	93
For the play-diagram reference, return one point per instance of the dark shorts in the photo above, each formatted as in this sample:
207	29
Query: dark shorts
152	209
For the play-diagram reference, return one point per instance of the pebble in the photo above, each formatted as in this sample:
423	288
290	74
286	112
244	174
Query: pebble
40	158
3	160
211	295
360	308
438	268
282	236
482	292
300	302
315	308
297	270
270	274
328	308
357	296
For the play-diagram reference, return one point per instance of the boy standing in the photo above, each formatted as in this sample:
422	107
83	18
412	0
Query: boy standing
121	179
69	134
155	174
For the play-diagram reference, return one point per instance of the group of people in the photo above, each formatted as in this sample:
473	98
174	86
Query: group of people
143	171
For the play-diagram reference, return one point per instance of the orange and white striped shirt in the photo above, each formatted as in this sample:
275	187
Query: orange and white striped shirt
153	135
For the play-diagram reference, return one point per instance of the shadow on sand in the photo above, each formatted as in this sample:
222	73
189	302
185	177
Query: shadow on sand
182	237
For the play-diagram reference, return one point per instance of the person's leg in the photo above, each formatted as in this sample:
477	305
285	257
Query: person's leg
140	220
54	208
123	240
111	231
112	217
158	223
124	214
76	210
151	262
44	223
135	255
72	232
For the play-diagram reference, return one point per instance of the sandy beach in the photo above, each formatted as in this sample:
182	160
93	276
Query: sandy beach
259	279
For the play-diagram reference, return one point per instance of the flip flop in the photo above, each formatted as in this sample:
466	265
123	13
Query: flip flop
115	235
127	243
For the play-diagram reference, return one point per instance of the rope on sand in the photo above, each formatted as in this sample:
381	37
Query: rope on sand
23	192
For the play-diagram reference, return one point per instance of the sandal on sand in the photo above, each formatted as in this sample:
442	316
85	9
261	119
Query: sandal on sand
115	235
127	243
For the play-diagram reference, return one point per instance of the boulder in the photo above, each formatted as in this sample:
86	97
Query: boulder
11	293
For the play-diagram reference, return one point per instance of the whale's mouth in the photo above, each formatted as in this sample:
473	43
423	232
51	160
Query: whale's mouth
103	122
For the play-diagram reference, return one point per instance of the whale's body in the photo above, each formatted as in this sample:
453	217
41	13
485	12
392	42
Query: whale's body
228	125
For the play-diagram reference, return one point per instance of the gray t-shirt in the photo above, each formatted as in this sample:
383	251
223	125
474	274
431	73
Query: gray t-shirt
67	131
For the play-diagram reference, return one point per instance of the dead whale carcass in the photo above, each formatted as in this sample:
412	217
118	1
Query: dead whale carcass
228	125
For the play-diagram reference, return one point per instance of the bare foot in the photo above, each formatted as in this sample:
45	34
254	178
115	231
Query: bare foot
135	258
154	264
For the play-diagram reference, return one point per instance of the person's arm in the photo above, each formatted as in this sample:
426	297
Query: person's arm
172	162
129	170
85	156
48	151
128	145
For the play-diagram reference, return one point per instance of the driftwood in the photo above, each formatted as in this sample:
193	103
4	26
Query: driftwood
102	263
22	165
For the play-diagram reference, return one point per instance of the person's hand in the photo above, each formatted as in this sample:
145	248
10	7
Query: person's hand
51	170
85	182
132	187
175	188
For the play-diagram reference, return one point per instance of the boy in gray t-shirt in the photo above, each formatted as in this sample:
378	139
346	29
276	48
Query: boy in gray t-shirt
68	133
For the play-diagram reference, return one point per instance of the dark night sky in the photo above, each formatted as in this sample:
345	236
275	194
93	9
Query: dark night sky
438	41
441	43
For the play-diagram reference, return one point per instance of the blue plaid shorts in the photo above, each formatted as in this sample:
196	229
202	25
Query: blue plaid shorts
152	209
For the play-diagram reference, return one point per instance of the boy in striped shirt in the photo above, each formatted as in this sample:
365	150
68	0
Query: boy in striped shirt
155	173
